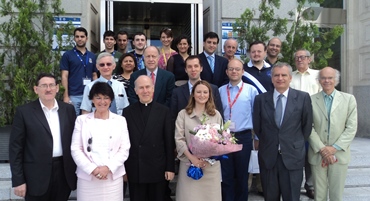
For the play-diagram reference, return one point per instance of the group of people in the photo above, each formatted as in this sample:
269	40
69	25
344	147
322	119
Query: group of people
125	117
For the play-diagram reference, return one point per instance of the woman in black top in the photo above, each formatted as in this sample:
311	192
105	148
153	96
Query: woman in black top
176	63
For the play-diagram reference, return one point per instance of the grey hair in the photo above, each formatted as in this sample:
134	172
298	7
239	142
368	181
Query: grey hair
337	77
105	54
280	65
307	52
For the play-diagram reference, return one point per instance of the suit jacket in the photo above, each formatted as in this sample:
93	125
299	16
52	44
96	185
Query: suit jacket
152	144
31	147
218	77
180	99
294	130
164	84
343	126
119	145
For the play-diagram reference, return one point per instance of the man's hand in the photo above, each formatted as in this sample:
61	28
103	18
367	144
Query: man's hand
20	190
327	151
169	175
256	144
66	99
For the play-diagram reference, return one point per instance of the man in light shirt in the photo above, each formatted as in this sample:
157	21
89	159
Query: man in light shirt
306	79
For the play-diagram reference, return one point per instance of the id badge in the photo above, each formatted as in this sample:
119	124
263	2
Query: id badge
232	126
86	81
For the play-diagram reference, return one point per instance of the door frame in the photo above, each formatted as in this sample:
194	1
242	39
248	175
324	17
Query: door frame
106	19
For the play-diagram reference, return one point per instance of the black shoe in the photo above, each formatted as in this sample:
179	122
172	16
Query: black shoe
260	193
310	194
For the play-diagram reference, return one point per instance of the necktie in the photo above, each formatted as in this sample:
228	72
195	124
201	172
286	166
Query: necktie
113	107
279	110
152	75
211	63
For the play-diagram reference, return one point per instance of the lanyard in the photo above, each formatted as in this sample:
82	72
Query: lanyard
231	104
86	62
87	58
138	61
164	56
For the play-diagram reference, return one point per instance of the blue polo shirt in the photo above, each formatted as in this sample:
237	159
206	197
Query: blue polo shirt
263	75
79	66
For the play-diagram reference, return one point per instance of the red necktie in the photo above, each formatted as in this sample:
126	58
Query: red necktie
152	75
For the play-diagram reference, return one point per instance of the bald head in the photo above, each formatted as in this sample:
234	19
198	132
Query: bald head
329	78
273	49
144	88
230	47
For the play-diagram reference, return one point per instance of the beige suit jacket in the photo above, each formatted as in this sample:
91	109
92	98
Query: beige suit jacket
343	126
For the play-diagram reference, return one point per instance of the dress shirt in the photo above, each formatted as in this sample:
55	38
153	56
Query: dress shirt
119	95
148	72
190	86
52	117
283	100
328	104
241	111
307	81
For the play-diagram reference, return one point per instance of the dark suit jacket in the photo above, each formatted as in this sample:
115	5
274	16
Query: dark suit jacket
180	99
31	147
219	76
164	84
152	145
294	130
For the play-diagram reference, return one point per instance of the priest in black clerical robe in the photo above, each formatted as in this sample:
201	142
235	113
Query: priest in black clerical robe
151	159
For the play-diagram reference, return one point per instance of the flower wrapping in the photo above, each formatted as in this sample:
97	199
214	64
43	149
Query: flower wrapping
211	140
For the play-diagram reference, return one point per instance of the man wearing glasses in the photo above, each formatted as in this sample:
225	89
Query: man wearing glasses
306	79
237	100
106	65
39	147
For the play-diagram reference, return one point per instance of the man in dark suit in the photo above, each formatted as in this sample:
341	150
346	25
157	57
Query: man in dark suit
39	147
151	160
164	81
214	66
282	120
180	95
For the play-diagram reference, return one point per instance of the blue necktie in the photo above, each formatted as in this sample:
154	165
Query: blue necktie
113	107
279	110
211	63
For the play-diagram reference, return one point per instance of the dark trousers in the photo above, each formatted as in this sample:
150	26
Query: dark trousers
58	189
281	181
308	184
235	170
147	191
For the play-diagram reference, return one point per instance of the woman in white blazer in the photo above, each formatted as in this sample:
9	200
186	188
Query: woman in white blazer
100	146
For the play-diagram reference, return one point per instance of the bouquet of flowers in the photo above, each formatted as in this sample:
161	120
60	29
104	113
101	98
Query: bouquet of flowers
210	140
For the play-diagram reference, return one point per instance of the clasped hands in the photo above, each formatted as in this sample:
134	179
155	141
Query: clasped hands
327	154
101	172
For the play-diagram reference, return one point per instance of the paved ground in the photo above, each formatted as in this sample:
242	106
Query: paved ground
357	183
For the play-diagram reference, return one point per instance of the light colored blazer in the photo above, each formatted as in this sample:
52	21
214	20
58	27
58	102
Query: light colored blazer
343	126
119	145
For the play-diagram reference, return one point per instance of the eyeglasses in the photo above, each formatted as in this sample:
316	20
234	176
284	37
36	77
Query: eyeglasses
300	57
89	141
45	86
234	69
105	64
